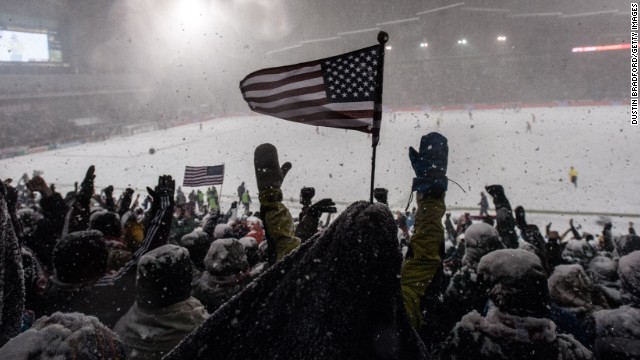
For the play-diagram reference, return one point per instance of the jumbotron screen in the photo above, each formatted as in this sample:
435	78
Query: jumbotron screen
29	47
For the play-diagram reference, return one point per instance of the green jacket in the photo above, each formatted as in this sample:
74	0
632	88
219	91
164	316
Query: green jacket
212	198
278	223
418	271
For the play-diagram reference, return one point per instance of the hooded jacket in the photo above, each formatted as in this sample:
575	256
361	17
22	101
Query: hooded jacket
152	333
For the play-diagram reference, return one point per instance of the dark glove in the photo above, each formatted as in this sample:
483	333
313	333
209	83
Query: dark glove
380	194
521	221
86	187
430	164
38	184
269	174
108	191
306	194
323	206
234	204
126	201
163	194
496	191
608	226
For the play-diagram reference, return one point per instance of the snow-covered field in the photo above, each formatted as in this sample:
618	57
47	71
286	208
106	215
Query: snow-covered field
493	147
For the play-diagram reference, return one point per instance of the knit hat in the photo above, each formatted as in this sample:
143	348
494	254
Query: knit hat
107	222
480	239
80	256
516	282
226	257
629	272
222	231
66	336
163	277
197	243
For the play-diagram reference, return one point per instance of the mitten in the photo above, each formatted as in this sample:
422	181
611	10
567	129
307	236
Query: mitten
381	194
430	164
269	174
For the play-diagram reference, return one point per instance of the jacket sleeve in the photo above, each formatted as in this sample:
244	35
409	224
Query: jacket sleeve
278	224
156	235
54	209
418	271
505	224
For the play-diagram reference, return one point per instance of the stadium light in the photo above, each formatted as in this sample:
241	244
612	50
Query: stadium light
388	47
462	41
424	44
501	38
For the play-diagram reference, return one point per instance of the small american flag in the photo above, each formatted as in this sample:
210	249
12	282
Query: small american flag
340	91
203	175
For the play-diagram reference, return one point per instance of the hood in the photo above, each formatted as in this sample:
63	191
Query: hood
160	329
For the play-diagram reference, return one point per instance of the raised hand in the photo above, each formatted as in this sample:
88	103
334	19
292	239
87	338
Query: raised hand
163	194
86	187
269	173
430	164
322	206
37	184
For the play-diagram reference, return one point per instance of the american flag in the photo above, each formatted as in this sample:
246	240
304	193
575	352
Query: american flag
203	175
340	91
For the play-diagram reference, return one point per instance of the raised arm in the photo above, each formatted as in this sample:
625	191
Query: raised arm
78	216
157	231
505	223
277	220
430	184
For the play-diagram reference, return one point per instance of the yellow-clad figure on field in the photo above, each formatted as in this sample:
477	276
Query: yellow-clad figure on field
573	175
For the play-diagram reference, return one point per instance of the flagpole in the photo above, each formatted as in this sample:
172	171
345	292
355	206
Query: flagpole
383	37
220	193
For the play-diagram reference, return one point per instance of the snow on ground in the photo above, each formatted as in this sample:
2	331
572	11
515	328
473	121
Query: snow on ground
492	147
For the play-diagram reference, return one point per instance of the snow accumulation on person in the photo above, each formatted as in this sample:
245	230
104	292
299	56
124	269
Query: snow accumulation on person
164	312
617	331
12	290
573	290
65	336
226	273
517	324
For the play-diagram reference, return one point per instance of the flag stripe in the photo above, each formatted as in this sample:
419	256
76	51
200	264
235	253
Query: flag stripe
283	71
291	100
288	94
344	115
286	81
365	124
310	107
296	85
